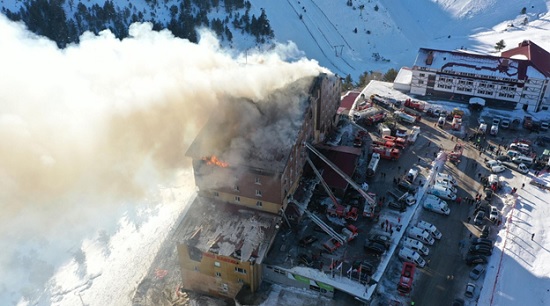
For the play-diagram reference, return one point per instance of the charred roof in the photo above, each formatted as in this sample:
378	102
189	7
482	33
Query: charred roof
257	134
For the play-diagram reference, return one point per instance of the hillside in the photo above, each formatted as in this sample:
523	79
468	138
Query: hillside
348	37
390	32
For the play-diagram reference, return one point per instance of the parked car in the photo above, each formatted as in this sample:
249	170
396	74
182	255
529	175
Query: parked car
307	240
476	259
397	205
406	186
480	249
478	220
502	158
498	169
493	216
485	231
374	247
491	163
470	290
365	266
385	240
362	277
485	241
477	271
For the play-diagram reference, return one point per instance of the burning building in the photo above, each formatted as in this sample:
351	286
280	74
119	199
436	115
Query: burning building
247	161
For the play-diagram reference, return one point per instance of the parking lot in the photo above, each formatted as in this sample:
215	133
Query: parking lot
446	273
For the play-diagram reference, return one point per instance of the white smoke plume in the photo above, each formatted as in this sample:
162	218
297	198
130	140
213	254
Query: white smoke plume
94	126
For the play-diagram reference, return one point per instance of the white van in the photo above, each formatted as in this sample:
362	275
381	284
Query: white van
416	245
420	235
442	192
446	184
430	228
412	175
513	153
528	161
494	130
409	255
522	147
447	177
441	121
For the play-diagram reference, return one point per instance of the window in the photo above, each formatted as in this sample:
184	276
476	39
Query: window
216	194
236	188
237	198
259	204
257	181
196	268
240	270
420	82
240	281
218	274
422	74
258	193
217	264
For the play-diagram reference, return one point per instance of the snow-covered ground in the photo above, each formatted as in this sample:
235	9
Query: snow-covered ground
518	272
397	29
90	136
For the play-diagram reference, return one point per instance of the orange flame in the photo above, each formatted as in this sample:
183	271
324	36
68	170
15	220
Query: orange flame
213	160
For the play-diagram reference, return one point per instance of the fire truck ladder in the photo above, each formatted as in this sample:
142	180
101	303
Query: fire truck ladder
325	227
316	219
327	188
368	199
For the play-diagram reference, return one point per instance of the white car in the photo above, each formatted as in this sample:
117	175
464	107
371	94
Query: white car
446	184
498	169
493	216
491	163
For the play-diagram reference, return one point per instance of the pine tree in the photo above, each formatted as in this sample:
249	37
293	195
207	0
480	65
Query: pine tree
390	75
500	45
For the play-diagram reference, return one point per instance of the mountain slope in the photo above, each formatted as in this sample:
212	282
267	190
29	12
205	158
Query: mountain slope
390	32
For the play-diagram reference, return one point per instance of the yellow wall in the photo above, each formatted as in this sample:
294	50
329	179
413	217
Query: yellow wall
201	275
247	202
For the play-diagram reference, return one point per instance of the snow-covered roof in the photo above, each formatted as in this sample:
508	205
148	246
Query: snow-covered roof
527	49
229	230
477	65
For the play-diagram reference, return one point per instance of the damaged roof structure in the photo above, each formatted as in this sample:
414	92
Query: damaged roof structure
229	230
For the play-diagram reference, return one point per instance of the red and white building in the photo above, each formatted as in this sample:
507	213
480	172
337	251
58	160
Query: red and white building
518	79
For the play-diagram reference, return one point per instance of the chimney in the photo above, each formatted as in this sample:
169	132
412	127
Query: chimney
524	43
430	58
